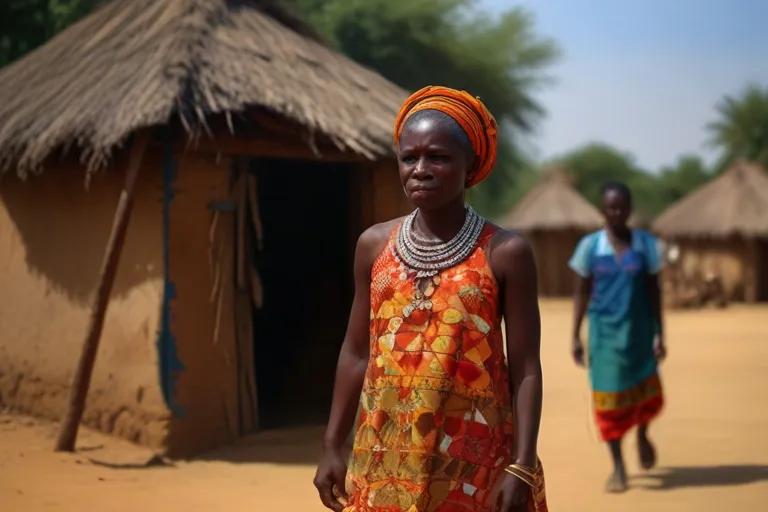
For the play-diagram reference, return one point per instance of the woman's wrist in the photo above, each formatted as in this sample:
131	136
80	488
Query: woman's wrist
531	462
333	442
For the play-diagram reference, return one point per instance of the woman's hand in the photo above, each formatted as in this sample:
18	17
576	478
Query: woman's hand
330	476
577	352
660	348
512	494
514	264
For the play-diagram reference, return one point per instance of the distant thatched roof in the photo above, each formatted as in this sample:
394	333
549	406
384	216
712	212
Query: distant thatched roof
135	63
639	220
553	204
735	203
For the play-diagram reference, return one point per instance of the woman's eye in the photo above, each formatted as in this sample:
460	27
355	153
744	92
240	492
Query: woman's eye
408	159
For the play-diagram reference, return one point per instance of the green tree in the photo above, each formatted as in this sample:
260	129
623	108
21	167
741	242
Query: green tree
741	129
27	24
679	180
413	43
416	43
596	163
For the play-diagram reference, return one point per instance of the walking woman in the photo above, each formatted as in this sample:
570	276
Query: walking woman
618	270
423	354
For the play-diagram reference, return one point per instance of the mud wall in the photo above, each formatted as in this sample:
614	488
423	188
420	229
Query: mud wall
201	245
52	237
553	250
724	258
200	267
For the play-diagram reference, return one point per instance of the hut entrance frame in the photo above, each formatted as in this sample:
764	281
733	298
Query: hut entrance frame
279	247
762	270
305	268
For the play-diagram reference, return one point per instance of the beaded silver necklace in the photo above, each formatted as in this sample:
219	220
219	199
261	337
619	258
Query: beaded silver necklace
427	258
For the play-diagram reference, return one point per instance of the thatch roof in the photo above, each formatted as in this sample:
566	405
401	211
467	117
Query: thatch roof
553	204
639	220
136	63
735	203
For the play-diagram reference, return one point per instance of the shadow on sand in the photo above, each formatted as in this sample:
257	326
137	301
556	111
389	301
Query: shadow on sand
664	479
299	446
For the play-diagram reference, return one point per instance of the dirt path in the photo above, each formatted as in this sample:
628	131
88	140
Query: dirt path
712	439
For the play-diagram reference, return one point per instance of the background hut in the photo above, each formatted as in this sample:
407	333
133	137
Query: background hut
640	220
721	230
554	216
267	154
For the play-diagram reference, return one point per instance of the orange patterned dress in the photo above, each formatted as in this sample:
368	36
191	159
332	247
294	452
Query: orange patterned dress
436	427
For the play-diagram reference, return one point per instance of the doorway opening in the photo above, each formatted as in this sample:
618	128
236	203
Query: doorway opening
305	266
762	270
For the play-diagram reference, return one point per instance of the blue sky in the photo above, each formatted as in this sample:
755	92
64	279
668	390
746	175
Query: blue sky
644	75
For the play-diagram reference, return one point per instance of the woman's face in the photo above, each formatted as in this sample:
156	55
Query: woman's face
616	209
433	164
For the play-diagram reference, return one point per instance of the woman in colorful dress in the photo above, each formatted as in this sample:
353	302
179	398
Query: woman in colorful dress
618	270
423	355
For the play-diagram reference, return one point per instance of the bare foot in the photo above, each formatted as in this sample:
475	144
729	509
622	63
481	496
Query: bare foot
617	482
647	453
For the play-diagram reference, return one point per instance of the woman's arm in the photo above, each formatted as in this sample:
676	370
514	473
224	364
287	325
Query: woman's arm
350	371
653	285
353	358
523	329
580	301
654	295
580	264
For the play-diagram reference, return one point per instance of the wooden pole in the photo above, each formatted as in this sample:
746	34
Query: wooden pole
78	392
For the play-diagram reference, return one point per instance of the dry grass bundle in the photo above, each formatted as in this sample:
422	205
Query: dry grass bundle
553	204
735	203
136	63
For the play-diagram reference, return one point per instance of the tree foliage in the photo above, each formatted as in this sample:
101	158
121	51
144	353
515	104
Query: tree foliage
677	181
447	42
502	59
741	129
27	24
413	43
595	164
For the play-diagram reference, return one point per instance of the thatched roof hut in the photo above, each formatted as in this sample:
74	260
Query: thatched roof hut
639	220
722	230
240	126
136	63
554	216
734	204
553	204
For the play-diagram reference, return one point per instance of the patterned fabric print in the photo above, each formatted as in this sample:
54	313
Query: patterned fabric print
435	428
617	413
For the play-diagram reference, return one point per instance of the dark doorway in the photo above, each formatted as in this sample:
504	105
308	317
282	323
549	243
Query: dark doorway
762	270
306	269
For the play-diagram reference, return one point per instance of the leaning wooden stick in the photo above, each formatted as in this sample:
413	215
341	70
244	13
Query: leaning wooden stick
82	379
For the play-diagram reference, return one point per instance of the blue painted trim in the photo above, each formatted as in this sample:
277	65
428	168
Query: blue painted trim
169	363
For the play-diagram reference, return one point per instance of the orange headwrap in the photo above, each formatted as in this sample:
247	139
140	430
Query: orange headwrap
471	115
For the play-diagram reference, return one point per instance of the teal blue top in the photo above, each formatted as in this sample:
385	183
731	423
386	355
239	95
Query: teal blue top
621	323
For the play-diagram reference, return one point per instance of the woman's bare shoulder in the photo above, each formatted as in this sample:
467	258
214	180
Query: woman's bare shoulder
373	240
509	242
510	252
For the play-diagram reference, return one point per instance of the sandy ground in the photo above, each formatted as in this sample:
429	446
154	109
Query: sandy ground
712	441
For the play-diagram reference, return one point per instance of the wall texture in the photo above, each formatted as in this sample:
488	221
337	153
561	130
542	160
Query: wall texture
52	237
201	265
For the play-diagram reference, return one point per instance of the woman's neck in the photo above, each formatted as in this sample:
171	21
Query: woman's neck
622	233
443	223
